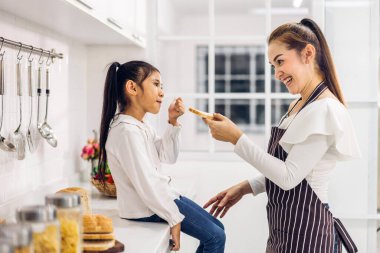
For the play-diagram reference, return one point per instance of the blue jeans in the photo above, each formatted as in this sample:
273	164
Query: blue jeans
199	224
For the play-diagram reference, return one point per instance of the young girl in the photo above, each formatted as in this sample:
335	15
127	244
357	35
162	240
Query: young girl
134	152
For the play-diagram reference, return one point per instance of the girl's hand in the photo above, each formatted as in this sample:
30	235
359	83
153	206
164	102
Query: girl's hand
175	231
176	109
223	129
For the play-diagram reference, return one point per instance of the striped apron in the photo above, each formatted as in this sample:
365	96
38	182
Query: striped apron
298	220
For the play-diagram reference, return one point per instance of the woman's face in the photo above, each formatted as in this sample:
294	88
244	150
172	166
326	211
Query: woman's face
150	99
291	68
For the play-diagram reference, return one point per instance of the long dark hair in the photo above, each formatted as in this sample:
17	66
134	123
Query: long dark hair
297	36
115	98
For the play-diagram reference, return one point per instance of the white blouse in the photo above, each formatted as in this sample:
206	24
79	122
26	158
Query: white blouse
316	138
134	154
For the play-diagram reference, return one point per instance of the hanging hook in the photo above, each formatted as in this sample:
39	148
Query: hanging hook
30	54
18	54
1	47
39	59
47	60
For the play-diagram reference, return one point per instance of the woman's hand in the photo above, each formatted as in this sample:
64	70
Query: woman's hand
223	129
176	109
175	231
224	200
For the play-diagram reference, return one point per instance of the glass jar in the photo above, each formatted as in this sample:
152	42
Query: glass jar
70	217
20	235
45	227
6	246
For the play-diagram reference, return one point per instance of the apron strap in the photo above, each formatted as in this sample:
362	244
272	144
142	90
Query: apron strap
344	237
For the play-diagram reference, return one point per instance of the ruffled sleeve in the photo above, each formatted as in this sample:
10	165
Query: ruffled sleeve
324	117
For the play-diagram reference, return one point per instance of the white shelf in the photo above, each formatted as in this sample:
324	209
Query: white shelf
72	19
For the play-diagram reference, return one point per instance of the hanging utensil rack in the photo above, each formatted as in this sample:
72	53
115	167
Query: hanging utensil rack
30	49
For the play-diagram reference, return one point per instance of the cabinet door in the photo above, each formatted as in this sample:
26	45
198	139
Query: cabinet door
141	16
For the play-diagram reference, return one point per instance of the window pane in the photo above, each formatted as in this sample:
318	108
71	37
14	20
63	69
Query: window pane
248	114
220	85
240	64
220	64
240	86
279	108
260	85
260	64
195	134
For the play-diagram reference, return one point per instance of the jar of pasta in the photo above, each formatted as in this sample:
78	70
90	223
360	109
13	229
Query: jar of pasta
6	246
20	235
45	227
70	217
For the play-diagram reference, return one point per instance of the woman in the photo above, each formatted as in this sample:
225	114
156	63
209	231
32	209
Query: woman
134	153
315	133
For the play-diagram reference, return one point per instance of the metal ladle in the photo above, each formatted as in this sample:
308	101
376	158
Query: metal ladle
18	136
5	145
45	130
32	144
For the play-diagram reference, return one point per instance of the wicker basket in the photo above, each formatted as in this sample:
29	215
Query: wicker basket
106	189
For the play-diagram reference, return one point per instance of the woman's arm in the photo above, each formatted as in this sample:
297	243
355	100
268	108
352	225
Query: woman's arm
287	174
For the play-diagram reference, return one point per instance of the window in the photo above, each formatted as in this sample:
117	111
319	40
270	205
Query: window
218	65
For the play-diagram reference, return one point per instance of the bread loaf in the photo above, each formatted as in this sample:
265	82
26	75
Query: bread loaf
98	245
85	200
90	237
97	223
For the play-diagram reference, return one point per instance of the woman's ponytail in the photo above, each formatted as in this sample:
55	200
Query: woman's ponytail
324	59
110	99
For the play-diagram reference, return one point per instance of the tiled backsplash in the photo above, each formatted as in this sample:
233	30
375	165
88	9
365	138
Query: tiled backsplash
47	168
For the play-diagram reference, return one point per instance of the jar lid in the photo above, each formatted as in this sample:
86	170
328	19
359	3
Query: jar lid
19	234
6	246
63	200
36	213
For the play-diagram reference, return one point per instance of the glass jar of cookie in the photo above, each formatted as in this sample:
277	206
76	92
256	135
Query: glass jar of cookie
20	235
45	227
70	218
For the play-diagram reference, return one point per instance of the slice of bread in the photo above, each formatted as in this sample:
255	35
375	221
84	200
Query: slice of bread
97	223
197	112
85	200
108	236
98	245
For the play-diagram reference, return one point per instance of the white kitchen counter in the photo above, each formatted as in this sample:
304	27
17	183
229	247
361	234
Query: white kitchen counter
137	237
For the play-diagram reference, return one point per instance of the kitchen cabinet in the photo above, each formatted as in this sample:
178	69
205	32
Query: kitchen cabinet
112	22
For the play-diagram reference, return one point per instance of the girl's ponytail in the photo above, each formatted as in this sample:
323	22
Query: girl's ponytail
115	98
110	99
325	61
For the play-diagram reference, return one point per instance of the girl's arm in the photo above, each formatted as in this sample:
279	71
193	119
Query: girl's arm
167	146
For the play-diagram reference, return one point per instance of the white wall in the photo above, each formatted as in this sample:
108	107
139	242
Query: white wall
98	59
48	168
354	45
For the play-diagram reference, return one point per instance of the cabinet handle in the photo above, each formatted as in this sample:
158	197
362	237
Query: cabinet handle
85	4
114	22
136	37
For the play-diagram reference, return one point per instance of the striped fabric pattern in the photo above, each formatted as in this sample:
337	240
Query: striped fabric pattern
298	220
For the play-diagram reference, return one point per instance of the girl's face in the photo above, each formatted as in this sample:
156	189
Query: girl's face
291	68
152	96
